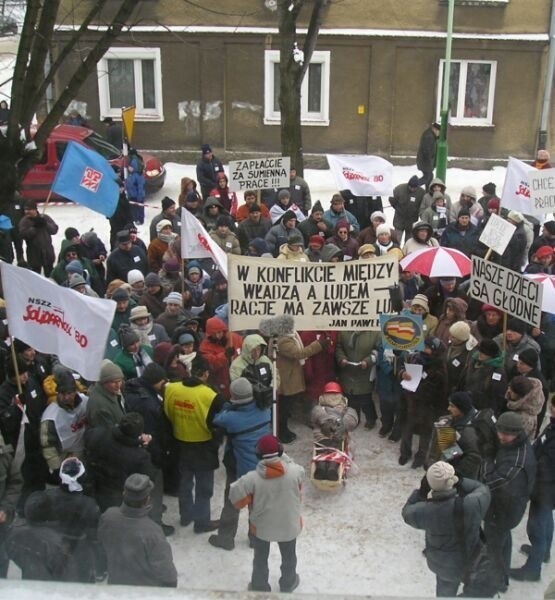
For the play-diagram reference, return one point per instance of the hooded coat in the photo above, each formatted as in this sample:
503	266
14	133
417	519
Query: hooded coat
333	407
429	196
414	243
273	493
486	382
245	366
459	307
529	406
406	205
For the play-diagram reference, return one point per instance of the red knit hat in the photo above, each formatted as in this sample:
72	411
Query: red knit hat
489	307
544	252
317	240
494	204
269	446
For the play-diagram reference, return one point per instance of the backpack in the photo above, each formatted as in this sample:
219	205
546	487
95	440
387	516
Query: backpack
484	424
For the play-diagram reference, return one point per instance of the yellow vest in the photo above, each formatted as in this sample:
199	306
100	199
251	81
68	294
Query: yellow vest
187	409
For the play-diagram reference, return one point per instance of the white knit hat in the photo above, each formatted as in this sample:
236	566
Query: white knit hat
134	276
441	476
383	228
460	331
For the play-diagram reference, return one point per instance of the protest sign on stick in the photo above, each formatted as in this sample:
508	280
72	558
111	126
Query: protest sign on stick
497	233
259	173
542	191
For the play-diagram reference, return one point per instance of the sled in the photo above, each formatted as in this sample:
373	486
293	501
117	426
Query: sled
340	456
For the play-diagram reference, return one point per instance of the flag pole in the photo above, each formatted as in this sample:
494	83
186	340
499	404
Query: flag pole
15	367
45	206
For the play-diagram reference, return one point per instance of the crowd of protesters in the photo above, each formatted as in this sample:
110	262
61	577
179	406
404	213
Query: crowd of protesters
176	382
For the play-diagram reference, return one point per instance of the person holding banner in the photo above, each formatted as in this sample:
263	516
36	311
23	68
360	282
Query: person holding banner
517	340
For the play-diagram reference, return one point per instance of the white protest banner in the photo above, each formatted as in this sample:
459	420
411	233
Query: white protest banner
259	173
362	174
57	320
196	243
516	189
542	191
320	296
507	290
497	233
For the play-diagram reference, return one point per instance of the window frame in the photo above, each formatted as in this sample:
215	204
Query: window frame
321	118
467	121
137	55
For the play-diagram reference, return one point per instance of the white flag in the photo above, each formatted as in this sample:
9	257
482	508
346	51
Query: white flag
516	189
57	320
196	243
363	175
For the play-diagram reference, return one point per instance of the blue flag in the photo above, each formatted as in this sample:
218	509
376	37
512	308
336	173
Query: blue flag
87	177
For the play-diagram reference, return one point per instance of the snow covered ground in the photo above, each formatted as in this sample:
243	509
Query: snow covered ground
354	540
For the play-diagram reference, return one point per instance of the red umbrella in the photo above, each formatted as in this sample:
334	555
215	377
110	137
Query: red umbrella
438	262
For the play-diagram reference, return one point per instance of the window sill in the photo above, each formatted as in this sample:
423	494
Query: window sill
324	123
497	3
471	126
116	115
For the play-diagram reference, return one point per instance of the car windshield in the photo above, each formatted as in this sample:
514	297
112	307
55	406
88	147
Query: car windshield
98	143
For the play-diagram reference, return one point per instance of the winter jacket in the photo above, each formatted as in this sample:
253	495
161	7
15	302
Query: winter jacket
475	209
458	357
174	220
436	218
355	347
37	233
406	205
510	478
214	351
208	218
544	451
190	406
426	153
459	308
171	322
514	256
244	210
319	368
90	274
334	218
513	350
467	464
278	235
349	247
428	198
126	361
300	193
480	329
332	419
244	365
437	298
413	244
249	230
227	198
104	409
150	334
309	227
290	355
445	555
273	493
464	240
11	483
154	302
529	406
120	262
229	243
207	174
286	253
486	382
136	549
244	425
155	254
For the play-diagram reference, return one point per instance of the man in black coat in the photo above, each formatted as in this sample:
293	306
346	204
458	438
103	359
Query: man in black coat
208	169
124	258
540	517
426	154
510	477
447	553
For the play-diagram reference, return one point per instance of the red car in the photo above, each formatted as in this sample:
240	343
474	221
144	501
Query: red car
40	177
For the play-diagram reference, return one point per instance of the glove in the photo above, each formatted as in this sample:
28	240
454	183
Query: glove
230	352
425	488
374	357
325	342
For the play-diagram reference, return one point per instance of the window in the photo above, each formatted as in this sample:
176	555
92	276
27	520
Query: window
131	76
315	89
471	91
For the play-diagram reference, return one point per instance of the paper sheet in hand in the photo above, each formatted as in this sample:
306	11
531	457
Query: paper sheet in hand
415	371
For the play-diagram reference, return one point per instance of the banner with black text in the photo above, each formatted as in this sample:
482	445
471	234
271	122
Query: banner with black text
320	296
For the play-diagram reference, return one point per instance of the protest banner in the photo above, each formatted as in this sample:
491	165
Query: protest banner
57	320
402	332
320	296
516	189
542	191
197	243
87	177
507	290
497	233
259	173
363	175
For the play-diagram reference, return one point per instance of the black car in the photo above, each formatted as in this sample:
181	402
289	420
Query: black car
8	25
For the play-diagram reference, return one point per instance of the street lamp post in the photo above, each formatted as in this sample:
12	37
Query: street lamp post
442	148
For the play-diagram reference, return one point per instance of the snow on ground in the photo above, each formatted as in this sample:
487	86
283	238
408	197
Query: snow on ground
354	540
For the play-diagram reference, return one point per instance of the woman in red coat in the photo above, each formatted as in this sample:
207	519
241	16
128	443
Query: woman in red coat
319	368
227	198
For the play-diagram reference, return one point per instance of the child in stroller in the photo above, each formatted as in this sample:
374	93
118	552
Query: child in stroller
332	421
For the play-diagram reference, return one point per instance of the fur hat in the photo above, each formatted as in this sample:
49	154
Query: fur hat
134	276
521	385
163	223
469	191
153	373
167	203
109	371
421	300
489	348
460	331
241	391
441	476
383	228
137	487
269	446
462	400
515	216
174	298
153	279
510	422
529	357
120	294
